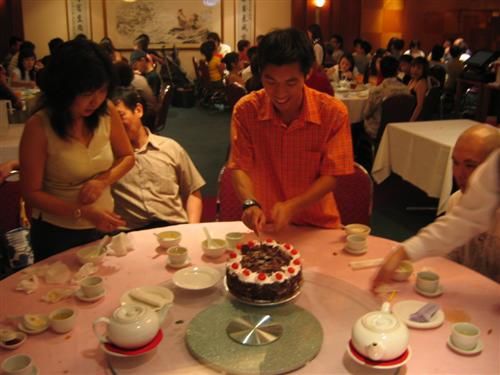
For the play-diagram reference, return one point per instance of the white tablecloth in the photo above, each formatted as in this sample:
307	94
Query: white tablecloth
420	152
9	142
355	102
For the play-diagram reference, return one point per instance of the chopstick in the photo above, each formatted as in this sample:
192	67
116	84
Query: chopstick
367	263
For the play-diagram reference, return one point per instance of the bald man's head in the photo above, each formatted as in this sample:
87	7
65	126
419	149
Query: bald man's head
471	149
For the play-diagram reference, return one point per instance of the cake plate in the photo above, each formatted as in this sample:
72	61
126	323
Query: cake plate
209	341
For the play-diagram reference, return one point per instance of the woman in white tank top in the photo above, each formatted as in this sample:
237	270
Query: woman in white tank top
72	150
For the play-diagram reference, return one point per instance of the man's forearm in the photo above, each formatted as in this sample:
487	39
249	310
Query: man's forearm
243	185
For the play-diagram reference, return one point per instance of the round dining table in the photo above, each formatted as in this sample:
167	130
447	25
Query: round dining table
355	100
335	293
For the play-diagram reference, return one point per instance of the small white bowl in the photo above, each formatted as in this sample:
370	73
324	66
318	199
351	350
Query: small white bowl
359	229
403	272
14	342
90	254
217	248
168	238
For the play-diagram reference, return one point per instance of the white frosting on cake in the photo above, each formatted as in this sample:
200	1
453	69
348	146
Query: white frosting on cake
253	277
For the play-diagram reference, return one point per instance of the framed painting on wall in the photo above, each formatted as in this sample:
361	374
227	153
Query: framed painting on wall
183	23
78	17
244	20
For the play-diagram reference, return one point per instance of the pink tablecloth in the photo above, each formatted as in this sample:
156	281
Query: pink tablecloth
467	295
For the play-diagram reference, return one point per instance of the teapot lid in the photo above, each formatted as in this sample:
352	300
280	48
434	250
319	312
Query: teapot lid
379	321
129	313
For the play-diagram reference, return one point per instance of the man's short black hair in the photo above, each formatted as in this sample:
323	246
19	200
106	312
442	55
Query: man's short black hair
286	46
389	66
242	44
437	52
406	58
13	40
213	36
455	51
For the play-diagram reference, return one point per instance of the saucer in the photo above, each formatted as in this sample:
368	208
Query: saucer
29	331
356	252
116	351
478	349
404	309
437	293
186	263
196	278
21	336
391	364
82	297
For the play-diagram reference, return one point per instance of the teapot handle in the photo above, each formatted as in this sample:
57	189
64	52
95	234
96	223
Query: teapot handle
101	338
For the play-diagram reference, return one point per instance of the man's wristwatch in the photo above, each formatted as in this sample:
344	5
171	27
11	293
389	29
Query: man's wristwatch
250	203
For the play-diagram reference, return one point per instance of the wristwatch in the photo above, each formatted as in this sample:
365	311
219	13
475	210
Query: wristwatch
247	203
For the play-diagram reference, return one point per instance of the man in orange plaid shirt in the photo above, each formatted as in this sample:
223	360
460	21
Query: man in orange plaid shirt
288	142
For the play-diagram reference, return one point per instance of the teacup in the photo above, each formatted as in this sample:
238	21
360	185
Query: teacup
356	242
177	255
233	238
19	364
92	286
465	336
62	320
427	281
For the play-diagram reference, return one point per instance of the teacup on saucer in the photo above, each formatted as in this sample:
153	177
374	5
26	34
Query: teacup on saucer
82	297
356	252
478	349
436	293
186	263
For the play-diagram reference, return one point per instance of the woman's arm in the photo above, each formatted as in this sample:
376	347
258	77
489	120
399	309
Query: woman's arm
124	161
420	90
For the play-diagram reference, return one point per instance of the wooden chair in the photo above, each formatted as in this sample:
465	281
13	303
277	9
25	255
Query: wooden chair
234	92
354	196
395	108
228	205
431	105
165	101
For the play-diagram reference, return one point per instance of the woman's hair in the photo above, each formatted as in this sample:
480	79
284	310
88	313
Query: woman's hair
316	33
349	58
130	97
207	49
26	53
421	61
373	63
231	59
77	67
339	38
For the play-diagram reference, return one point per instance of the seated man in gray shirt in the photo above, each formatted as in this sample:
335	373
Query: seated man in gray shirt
163	187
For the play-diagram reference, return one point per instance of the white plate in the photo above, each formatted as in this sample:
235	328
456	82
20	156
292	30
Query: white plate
160	291
404	309
478	349
25	329
82	297
356	252
437	293
196	278
187	262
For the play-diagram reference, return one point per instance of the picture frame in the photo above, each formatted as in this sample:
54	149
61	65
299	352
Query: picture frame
244	20
168	23
79	21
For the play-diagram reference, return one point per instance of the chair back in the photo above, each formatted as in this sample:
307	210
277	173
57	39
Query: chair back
439	73
161	116
431	104
234	92
14	210
395	108
228	204
354	196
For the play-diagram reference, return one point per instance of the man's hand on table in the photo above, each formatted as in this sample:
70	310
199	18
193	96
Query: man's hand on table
391	262
281	215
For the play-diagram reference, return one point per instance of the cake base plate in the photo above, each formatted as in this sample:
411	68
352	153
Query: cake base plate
208	341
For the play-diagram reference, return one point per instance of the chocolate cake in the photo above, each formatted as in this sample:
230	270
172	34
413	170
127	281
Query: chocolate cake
264	271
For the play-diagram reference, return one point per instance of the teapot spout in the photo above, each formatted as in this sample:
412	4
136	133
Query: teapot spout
375	351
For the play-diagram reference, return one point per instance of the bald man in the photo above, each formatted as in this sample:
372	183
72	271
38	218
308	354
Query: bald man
482	253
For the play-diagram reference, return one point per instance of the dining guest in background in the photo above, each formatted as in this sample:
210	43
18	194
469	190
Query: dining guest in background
6	92
72	150
233	66
243	46
26	45
221	49
288	142
246	72
163	188
454	69
390	86
215	65
318	80
140	65
419	84
24	75
476	211
362	48
344	70
404	74
14	45
414	49
54	44
337	43
375	75
481	253
108	45
316	36
395	47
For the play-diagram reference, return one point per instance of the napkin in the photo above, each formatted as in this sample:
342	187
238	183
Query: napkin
57	273
28	284
120	245
147	298
84	271
425	313
57	294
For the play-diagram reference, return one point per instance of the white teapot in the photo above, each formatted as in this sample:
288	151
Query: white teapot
130	326
380	335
